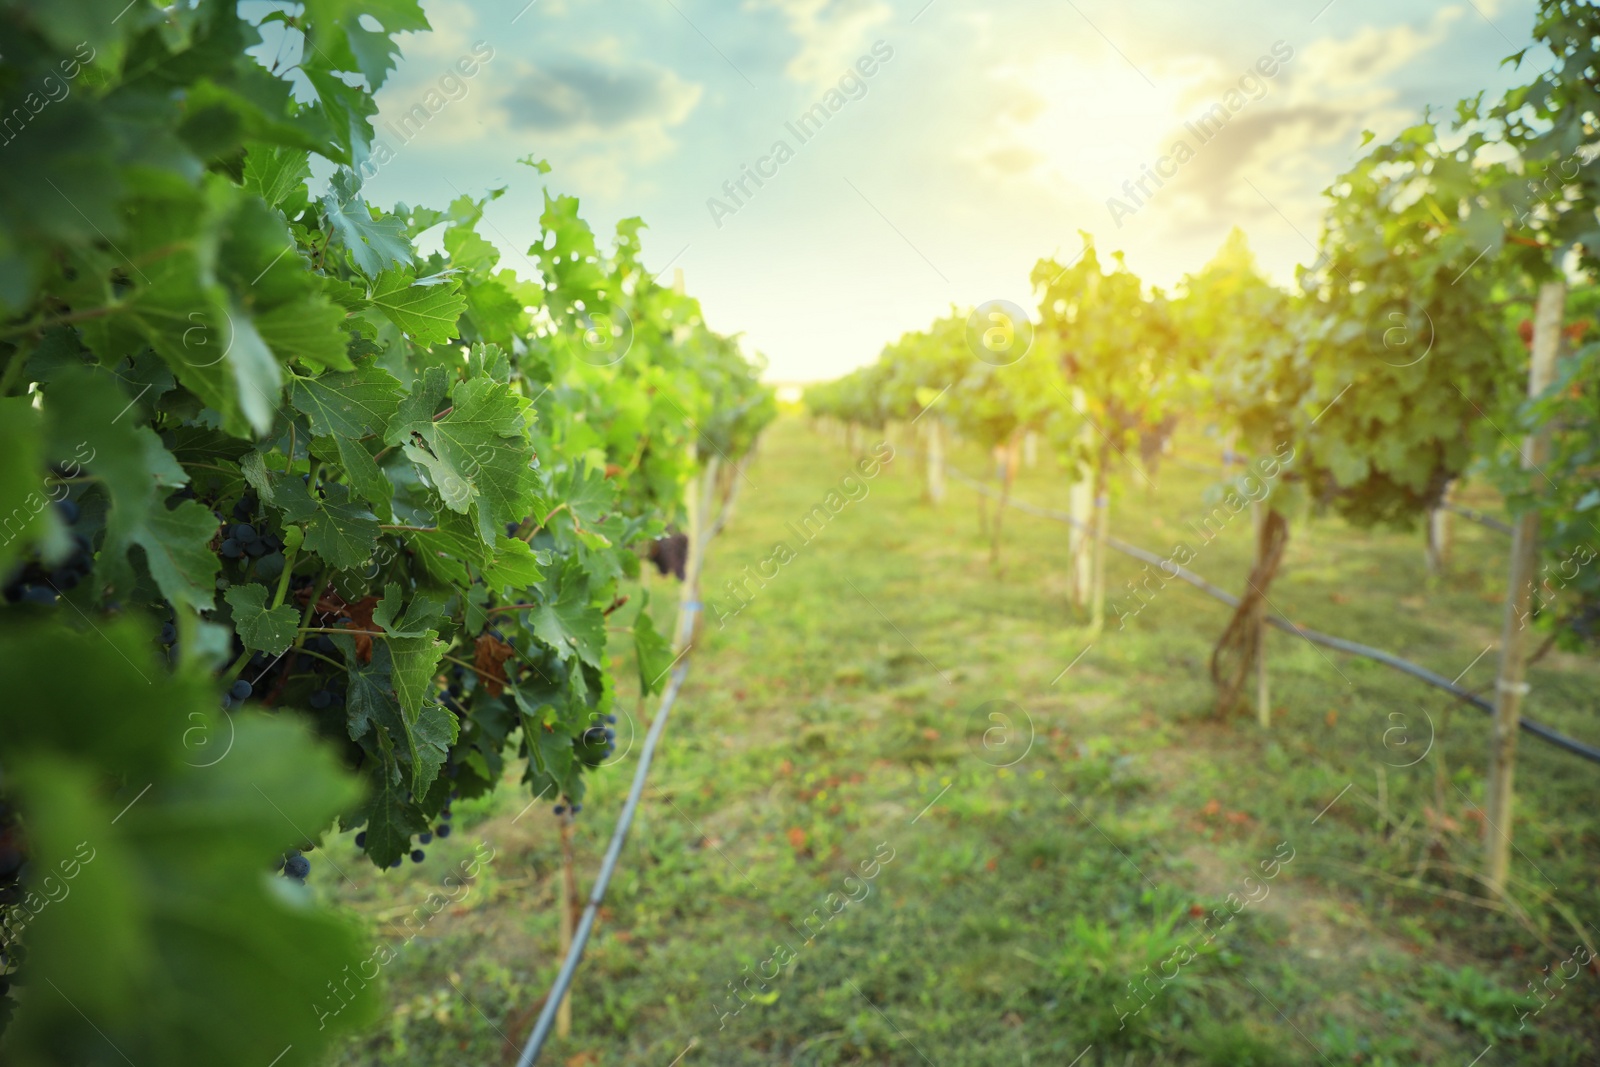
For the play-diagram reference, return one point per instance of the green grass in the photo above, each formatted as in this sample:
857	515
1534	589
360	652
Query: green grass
834	741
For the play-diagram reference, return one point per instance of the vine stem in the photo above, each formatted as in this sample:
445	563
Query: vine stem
237	667
318	655
529	527
510	607
41	323
292	542
471	667
301	631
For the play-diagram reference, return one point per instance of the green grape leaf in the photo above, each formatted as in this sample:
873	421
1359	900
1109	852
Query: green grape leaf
415	659
351	46
414	415
388	608
565	620
426	312
651	650
450	546
515	565
277	175
369	697
23	491
347	405
366	479
91	707
479	454
391	819
374	244
310	330
177	550
342	532
88	421
435	731
261	629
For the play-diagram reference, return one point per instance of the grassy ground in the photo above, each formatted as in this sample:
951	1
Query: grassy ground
886	816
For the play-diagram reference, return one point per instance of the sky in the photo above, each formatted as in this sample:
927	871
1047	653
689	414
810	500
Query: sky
955	145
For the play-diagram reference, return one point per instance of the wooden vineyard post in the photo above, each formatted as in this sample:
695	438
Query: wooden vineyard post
1080	506
1030	450
1102	530
1008	474
1079	500
569	905
1510	687
700	496
1263	692
935	486
1440	533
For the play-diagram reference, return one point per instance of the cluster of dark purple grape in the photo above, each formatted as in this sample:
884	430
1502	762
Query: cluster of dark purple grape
12	856
13	861
670	553
597	743
294	864
260	553
237	694
329	677
1586	622
452	694
36	583
441	831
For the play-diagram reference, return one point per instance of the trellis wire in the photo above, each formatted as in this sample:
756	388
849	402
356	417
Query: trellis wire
1172	570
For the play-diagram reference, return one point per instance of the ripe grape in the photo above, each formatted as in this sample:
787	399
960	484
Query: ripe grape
245	534
297	867
424	838
417	855
320	699
442	830
361	839
240	690
231	549
269	567
11	860
169	633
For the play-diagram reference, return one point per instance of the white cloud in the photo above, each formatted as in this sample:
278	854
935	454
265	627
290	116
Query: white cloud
832	34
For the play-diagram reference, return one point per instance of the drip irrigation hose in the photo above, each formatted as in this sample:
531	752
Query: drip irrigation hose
1353	648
